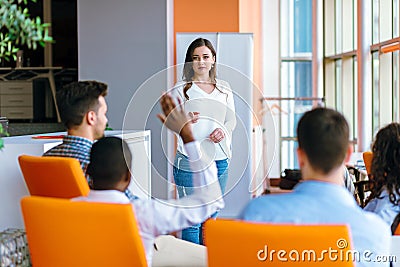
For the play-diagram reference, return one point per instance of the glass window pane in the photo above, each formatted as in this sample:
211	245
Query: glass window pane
339	92
348	44
375	92
296	28
385	89
385	20
395	18
289	157
338	17
329	79
355	103
348	92
296	79
329	27
375	21
396	100
286	20
302	26
355	17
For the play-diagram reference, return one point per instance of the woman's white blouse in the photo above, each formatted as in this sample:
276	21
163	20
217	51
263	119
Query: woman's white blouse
216	110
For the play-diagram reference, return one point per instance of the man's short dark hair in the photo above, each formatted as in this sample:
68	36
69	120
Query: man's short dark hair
110	159
74	100
323	134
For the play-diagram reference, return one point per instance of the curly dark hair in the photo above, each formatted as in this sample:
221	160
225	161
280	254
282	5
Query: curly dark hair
385	167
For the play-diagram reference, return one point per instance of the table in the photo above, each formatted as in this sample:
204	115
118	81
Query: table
30	74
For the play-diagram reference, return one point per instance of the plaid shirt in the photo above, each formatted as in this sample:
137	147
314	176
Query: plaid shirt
79	148
73	147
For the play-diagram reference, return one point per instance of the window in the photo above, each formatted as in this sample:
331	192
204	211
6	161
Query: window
385	55
340	61
296	73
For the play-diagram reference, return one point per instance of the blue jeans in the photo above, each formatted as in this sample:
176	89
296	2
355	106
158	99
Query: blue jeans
184	183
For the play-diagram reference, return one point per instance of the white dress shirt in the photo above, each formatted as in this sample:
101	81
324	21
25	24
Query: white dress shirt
156	217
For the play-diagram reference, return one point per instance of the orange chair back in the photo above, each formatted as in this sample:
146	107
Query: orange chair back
397	230
238	243
66	233
53	176
367	156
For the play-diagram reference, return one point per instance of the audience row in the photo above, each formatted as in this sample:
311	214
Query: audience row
321	198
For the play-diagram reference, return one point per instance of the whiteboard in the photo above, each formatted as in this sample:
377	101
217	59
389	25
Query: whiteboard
234	65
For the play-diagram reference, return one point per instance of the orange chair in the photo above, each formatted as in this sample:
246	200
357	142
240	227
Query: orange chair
396	225
65	233
397	231
367	156
238	243
53	176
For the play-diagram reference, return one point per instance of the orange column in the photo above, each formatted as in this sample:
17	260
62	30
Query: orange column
206	16
250	20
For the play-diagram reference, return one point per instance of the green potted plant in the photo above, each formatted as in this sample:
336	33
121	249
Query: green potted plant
2	133
18	28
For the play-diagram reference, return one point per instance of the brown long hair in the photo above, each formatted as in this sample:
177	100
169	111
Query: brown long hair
385	167
188	72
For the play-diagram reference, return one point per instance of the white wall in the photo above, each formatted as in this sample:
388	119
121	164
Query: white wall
271	55
123	43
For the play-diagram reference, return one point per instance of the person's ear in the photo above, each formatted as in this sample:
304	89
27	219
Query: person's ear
91	117
348	153
300	157
127	178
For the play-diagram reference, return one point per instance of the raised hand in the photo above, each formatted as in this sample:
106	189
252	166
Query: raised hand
175	118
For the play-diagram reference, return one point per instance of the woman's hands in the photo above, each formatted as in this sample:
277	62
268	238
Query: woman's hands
175	119
217	135
194	116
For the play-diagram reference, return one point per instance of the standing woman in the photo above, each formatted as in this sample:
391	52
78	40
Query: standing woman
209	103
385	174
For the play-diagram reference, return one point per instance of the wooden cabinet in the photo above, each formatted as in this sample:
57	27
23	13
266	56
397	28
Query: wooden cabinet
16	99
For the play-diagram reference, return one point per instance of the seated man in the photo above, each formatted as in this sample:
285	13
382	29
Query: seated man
108	168
83	109
323	138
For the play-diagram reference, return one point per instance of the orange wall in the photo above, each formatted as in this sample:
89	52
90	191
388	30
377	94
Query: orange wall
250	20
206	16
224	16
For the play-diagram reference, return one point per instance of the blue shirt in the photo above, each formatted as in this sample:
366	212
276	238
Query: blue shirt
314	202
383	207
79	148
